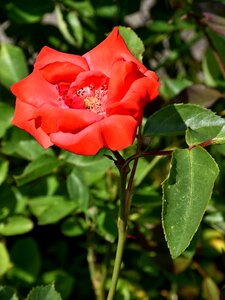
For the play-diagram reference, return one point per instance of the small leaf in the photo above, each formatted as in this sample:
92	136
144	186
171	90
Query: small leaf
51	209
26	260
15	225
133	42
198	123
6	114
170	88
47	292
5	263
186	193
4	167
13	65
210	289
7	293
42	166
78	190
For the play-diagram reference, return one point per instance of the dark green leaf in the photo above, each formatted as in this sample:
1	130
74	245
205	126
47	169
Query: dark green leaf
7	293
133	42
26	260
186	193
42	166
44	293
13	65
199	124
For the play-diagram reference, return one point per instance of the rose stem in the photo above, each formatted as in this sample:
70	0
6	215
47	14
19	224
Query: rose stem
122	233
124	207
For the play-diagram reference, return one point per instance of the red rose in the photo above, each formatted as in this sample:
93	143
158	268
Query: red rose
85	103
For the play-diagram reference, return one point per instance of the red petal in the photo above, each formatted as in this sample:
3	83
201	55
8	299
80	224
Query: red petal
95	78
113	48
86	142
21	119
54	119
60	72
118	131
35	90
119	85
141	92
48	55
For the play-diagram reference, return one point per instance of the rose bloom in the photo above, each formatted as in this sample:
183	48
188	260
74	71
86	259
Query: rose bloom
85	103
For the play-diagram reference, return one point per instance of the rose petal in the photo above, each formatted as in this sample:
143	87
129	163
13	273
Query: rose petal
114	133
21	118
119	85
113	48
60	72
34	89
141	92
86	142
94	78
118	131
55	119
48	55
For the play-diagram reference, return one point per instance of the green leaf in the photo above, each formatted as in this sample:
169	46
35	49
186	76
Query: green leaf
15	225
26	260
75	27
28	12
78	190
186	193
42	166
47	292
13	64
133	42
7	293
210	289
23	145
6	113
170	88
4	167
199	124
88	163
50	209
5	263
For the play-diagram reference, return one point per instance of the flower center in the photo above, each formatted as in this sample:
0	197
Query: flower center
94	99
87	97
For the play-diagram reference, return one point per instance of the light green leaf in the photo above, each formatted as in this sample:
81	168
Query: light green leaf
210	289
6	113
5	263
198	123
78	190
133	42
13	64
42	166
15	225
170	88
44	293
7	293
50	209
75	27
186	193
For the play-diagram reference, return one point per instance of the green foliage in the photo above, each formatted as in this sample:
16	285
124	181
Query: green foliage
58	210
186	193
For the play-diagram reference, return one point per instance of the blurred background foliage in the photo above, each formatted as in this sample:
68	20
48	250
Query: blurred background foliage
58	210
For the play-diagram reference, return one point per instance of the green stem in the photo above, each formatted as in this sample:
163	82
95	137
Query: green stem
122	233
